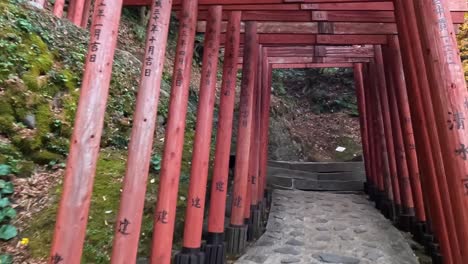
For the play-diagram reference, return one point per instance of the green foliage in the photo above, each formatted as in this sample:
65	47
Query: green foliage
6	259
7	213
4	171
6	187
156	162
463	45
8	232
327	90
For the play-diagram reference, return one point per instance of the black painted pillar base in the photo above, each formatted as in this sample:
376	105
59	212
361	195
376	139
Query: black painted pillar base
236	239
215	249
368	188
371	191
398	212
190	256
379	199
428	241
386	207
269	197
261	208
418	231
256	219
407	219
265	213
437	258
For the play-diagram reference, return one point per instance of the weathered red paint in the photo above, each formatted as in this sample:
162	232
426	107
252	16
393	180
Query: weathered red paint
128	224
427	140
165	211
371	126
255	136
265	123
449	94
245	125
310	65
201	148
86	11
58	8
407	200
388	126
75	11
382	151
224	132
376	142
359	87
396	68
72	217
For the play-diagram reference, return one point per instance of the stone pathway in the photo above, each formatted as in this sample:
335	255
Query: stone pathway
319	227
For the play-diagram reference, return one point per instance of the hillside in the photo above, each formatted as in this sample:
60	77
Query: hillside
314	111
41	62
39	88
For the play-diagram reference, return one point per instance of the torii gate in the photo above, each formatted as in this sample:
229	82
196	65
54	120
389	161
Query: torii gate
394	155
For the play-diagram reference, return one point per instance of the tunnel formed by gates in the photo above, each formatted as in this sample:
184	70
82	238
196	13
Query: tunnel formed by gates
412	101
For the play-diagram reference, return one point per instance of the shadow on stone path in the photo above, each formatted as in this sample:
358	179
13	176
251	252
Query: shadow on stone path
320	227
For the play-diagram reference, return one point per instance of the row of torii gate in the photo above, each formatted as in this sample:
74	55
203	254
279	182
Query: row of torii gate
412	101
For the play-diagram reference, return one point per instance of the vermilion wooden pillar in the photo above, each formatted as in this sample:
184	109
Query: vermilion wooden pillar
237	231
264	126
264	132
86	11
75	11
372	185
387	202
58	8
72	217
449	100
165	211
376	147
396	65
407	212
389	128
359	87
254	222
406	197
215	247
427	140
128	224
201	149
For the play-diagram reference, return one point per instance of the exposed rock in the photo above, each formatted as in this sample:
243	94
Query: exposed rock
333	258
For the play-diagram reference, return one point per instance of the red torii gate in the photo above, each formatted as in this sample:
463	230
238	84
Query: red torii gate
435	84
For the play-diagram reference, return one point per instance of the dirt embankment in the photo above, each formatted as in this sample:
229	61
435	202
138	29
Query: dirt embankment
313	113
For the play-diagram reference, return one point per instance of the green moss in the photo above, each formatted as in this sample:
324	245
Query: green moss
44	157
59	145
27	145
25	169
31	79
41	229
5	107
9	150
7	124
69	80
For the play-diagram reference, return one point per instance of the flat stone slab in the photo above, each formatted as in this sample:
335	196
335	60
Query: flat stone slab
322	227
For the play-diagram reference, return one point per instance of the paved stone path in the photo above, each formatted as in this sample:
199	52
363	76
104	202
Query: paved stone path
319	227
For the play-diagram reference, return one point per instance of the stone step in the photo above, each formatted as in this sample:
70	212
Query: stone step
318	166
333	176
317	176
288	183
